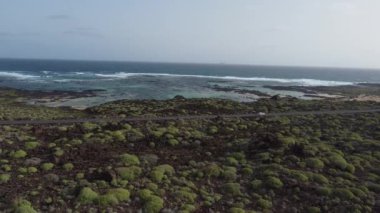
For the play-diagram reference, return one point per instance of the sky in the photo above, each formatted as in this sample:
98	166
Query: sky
328	33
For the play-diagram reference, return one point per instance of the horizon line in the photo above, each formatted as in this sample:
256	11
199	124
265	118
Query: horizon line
192	63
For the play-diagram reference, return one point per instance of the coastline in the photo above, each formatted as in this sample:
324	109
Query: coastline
82	99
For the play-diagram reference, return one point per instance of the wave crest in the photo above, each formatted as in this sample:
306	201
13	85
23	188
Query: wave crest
301	81
16	75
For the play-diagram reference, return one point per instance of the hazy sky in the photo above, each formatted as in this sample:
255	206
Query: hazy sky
342	33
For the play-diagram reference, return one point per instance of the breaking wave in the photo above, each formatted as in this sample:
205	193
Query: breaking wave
302	81
16	75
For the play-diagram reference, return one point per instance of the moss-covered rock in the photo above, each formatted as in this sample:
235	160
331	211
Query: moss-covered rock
87	196
338	161
129	173
130	160
154	204
68	166
264	204
315	163
19	154
4	178
23	206
160	171
274	182
31	145
107	200
232	189
185	195
120	194
47	166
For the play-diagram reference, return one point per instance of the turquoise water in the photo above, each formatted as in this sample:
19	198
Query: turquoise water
134	80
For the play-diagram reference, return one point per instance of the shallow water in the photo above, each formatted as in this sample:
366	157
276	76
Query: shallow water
127	80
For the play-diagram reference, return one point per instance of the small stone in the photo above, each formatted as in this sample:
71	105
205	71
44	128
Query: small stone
32	161
52	178
151	159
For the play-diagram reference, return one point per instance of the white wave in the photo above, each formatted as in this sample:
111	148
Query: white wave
69	80
46	72
16	75
79	73
302	81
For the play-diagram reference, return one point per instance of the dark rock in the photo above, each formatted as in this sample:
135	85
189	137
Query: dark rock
52	178
32	161
179	97
151	159
107	176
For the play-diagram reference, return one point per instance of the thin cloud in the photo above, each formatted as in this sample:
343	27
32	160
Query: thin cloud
58	17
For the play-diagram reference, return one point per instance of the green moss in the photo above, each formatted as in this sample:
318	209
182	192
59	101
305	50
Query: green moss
145	194
118	135
247	171
187	208
343	193
315	163
324	191
4	178
89	126
373	187
350	168
232	189
31	145
185	195
359	193
32	169
313	209
319	178
130	160
274	182
264	204
160	171
338	161
23	206
120	193
229	173
173	130
302	178
107	200
231	161
68	166
236	210
129	173
22	170
47	166
213	130
79	175
59	152
6	167
154	204
19	154
87	196
256	184
173	142
212	170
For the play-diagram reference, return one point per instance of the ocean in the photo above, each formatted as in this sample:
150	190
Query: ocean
139	80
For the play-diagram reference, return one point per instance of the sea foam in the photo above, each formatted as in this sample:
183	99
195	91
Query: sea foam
16	75
301	81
